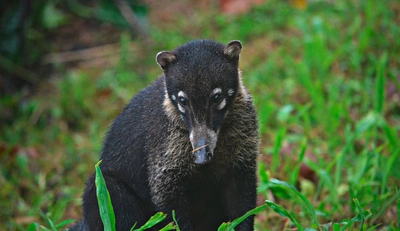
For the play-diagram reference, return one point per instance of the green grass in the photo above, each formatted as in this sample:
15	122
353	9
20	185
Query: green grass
319	78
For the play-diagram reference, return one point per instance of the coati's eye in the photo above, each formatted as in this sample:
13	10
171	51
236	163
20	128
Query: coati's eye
217	98
182	101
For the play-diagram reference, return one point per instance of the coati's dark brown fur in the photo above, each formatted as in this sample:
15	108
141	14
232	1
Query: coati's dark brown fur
188	143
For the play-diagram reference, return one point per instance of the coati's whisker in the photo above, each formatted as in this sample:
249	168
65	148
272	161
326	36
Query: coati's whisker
196	149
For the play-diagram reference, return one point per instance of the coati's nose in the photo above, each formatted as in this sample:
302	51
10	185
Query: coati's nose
202	153
202	156
203	141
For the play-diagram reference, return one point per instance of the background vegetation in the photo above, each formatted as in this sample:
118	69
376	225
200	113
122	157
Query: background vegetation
325	77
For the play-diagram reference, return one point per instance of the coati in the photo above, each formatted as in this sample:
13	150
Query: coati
188	142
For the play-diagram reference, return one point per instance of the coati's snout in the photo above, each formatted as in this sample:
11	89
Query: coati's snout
202	154
203	141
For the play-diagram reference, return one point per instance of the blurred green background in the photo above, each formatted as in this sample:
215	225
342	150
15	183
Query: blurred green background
325	77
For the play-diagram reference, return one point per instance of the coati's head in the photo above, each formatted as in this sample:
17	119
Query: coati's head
202	80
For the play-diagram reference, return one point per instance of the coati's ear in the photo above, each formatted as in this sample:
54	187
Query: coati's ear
233	49
165	58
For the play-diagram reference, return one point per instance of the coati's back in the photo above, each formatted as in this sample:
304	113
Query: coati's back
188	143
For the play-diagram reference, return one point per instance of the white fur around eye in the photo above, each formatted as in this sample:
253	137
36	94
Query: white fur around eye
221	105
173	97
217	91
181	94
181	108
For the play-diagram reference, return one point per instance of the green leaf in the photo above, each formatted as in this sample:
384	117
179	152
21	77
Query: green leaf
358	206
64	223
252	212
170	226
133	227
388	169
374	227
230	226
336	227
157	218
176	222
327	179
277	147
224	226
52	17
104	200
264	180
359	218
390	134
48	220
309	206
107	11
284	113
33	227
296	170
281	211
369	121
380	84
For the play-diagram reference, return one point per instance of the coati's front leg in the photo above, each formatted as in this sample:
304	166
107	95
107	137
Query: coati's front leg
169	194
239	196
128	207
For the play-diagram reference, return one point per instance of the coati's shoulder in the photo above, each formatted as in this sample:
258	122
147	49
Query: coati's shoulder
140	119
148	98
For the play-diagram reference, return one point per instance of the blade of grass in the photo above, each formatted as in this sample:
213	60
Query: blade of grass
367	123
303	113
157	218
224	226
309	206
329	184
336	227
281	211
398	208
64	223
42	228
387	170
264	179
295	173
360	217
176	222
390	134
230	226
104	200
252	212
168	227
380	84
374	227
57	209
341	160
360	210
33	227
382	208
277	147
48	220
